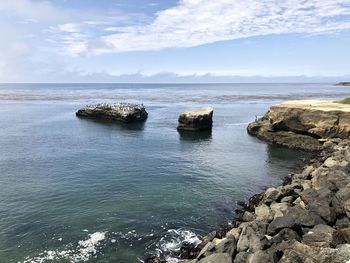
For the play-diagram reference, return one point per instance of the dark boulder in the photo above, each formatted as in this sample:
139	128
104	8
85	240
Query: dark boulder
124	112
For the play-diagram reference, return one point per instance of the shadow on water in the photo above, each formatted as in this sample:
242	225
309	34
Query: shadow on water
294	159
195	136
119	125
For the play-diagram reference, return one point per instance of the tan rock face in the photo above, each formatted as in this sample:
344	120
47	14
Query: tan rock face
196	120
303	124
321	119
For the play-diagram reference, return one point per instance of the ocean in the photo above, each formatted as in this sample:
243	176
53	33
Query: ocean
79	190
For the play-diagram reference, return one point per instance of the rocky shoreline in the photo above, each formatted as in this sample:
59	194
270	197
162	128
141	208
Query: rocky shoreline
307	218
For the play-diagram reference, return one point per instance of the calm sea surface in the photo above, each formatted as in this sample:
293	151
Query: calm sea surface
75	190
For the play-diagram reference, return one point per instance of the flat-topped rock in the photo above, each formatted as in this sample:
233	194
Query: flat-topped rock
125	112
301	124
200	119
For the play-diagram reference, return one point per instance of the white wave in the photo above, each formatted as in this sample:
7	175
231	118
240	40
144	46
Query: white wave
82	253
173	240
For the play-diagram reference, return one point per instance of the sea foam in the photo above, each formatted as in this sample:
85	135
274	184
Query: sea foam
82	253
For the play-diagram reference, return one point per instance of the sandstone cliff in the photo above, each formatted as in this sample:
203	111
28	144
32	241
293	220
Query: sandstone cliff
303	124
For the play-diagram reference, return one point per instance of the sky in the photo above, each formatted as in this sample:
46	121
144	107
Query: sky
174	41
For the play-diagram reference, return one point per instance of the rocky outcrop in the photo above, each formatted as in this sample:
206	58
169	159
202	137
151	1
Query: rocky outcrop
303	124
125	112
196	120
346	83
307	220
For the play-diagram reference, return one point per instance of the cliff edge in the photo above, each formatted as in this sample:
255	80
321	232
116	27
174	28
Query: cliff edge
303	124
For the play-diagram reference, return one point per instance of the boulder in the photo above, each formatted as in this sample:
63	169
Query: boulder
263	212
248	240
124	112
319	236
279	223
196	120
272	194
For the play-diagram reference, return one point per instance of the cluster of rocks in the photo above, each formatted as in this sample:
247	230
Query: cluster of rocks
125	112
195	120
305	220
303	124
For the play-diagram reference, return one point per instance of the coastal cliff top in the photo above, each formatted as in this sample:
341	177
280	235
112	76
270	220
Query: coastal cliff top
323	105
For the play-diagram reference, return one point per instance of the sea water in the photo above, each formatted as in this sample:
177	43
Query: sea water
79	190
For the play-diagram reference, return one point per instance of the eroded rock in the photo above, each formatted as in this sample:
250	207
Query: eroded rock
196	120
124	112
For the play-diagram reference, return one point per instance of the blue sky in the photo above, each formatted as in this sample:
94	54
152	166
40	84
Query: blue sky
198	40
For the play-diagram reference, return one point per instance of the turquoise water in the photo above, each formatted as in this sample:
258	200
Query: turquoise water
75	190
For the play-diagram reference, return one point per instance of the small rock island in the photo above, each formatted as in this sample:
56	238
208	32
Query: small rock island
196	120
124	112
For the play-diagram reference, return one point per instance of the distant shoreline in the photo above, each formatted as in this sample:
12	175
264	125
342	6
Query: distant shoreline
346	83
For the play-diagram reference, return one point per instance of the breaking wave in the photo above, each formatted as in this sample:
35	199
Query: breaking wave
85	250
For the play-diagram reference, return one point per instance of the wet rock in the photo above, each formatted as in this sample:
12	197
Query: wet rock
124	112
248	216
253	202
154	259
206	239
189	250
196	120
272	195
207	250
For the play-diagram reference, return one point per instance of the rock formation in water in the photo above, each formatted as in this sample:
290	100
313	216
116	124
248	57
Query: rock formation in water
303	124
346	83
125	112
196	120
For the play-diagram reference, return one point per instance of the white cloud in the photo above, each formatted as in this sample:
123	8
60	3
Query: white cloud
197	22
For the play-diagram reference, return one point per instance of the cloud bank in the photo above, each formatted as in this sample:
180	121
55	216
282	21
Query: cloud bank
196	22
42	38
